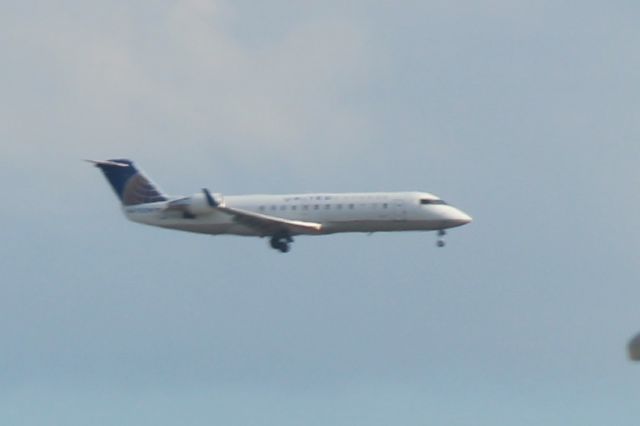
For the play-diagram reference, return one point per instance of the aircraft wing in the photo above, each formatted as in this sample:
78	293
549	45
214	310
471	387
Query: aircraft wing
265	224
270	225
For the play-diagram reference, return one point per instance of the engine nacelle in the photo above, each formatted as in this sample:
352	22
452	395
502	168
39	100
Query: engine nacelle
200	203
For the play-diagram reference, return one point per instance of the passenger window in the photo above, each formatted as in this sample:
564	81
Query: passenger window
327	206
351	206
385	205
294	207
261	208
283	207
316	207
273	207
305	207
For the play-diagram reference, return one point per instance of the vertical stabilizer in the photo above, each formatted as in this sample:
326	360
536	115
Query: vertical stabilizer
130	185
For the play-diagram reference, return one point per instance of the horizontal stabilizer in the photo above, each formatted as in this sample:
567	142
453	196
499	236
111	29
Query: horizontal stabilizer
106	163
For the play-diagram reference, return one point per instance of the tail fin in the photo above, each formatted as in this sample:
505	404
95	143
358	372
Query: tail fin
130	185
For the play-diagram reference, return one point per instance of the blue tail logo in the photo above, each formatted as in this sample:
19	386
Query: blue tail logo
130	185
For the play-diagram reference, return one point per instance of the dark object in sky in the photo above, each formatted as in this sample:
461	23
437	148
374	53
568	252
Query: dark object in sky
634	348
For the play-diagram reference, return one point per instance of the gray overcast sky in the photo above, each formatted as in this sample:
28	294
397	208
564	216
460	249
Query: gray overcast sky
524	114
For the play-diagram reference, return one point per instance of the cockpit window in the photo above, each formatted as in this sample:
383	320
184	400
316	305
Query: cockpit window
431	202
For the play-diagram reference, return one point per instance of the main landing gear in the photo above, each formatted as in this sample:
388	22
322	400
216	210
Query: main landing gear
441	234
281	242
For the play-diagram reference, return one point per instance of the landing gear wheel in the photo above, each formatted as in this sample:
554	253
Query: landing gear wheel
440	242
281	242
284	248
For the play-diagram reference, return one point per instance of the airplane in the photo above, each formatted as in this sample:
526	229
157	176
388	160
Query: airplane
278	217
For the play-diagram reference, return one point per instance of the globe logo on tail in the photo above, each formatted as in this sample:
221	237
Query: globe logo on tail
138	190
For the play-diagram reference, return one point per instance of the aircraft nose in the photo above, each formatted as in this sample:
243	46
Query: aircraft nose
457	218
464	218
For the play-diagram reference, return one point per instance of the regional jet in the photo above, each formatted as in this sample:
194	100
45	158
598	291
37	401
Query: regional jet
278	217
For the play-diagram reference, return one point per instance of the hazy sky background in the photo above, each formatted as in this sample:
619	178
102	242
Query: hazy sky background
525	114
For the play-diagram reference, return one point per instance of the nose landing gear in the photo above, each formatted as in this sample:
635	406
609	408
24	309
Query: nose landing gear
441	234
281	242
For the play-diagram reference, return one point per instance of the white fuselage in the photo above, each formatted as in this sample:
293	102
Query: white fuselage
337	212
